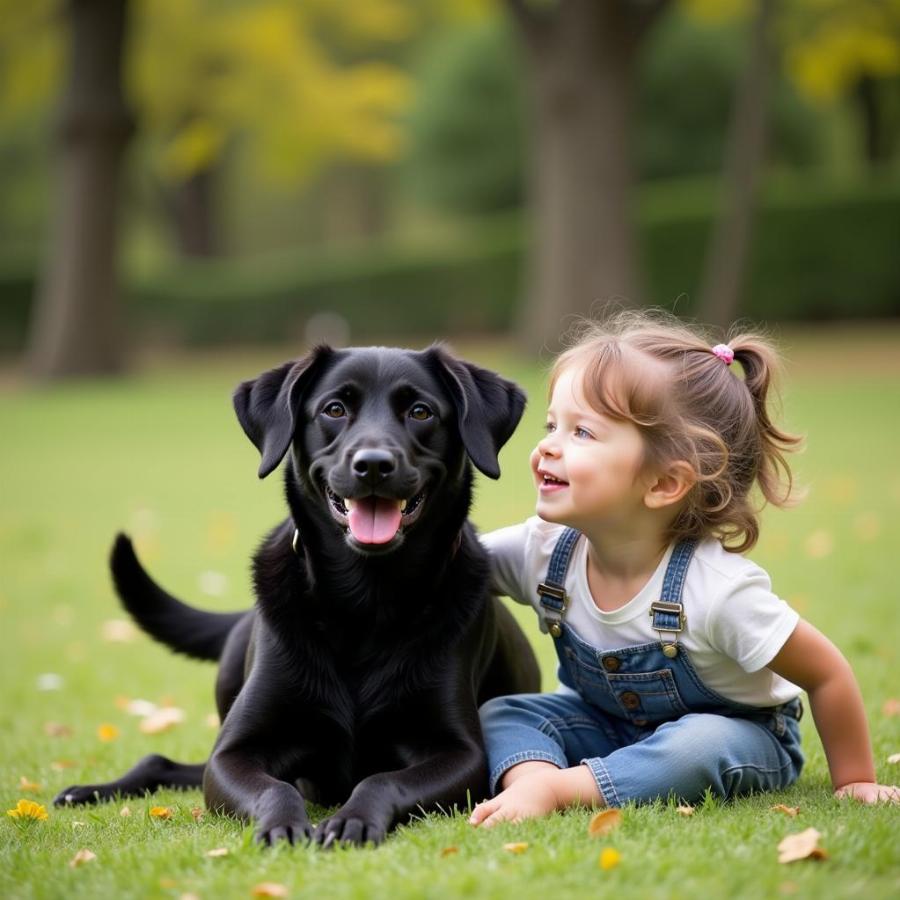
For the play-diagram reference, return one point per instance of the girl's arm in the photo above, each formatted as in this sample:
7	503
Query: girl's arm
811	661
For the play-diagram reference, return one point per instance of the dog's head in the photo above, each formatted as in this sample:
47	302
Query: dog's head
379	435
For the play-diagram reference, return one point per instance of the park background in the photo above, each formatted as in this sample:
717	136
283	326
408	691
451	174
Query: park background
193	191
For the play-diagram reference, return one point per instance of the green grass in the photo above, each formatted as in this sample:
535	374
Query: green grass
161	456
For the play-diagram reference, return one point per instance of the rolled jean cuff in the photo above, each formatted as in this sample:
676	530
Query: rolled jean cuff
523	756
604	782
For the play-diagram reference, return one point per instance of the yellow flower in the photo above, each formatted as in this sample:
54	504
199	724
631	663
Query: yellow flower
161	812
609	858
107	732
28	809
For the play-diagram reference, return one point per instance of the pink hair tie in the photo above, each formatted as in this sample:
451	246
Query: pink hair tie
725	353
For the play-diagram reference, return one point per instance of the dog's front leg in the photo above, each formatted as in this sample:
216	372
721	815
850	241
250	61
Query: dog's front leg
235	784
385	799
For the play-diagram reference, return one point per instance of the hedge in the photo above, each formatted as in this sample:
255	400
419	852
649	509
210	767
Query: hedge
820	251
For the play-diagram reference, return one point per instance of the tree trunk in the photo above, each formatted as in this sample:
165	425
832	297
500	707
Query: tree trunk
76	325
581	57
726	257
194	214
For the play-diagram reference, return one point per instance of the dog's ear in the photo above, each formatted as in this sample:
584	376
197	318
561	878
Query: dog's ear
488	407
266	405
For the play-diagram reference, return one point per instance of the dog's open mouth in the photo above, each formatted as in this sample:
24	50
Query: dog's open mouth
372	519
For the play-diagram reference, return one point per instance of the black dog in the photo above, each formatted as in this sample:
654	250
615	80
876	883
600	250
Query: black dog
356	679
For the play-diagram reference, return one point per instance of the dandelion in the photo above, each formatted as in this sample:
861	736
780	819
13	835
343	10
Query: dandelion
28	810
107	732
609	858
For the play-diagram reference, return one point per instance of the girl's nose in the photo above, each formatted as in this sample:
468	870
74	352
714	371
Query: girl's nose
546	446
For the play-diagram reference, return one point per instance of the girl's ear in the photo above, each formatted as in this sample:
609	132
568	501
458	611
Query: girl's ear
670	485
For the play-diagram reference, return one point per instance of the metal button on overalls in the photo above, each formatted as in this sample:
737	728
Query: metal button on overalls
630	700
611	663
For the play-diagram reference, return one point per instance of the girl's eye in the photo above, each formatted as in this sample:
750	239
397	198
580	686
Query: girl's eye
549	427
420	412
335	410
582	433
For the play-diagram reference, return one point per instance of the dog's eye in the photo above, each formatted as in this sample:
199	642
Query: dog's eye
420	412
335	410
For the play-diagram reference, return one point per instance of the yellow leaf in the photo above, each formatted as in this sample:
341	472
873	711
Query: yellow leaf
449	851
26	785
609	858
791	811
684	810
516	847
269	889
162	720
161	812
604	822
118	631
82	857
28	809
107	732
894	758
218	851
60	765
803	845
125	811
55	729
197	812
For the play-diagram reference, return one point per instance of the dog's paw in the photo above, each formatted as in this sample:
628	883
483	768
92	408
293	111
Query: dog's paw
349	830
81	794
299	832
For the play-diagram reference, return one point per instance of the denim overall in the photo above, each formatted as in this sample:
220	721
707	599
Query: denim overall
640	717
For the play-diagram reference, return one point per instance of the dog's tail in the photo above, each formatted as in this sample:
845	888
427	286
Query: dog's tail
184	629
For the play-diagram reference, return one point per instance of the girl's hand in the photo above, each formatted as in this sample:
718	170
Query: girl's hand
869	792
526	798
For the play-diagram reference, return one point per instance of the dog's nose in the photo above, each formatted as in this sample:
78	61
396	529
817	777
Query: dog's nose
373	465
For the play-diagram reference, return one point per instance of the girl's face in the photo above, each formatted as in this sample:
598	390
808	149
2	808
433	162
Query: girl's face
588	467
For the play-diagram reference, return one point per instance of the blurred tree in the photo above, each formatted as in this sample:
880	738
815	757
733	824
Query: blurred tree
725	263
581	62
76	323
203	73
849	48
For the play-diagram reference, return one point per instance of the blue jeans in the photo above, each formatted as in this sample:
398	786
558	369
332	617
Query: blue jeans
682	757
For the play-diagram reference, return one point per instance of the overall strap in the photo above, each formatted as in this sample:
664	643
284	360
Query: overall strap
552	591
667	613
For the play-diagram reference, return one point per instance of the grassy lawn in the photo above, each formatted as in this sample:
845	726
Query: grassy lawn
161	456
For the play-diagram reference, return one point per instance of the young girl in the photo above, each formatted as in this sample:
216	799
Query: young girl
680	670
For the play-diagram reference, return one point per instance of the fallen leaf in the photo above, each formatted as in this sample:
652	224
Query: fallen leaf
189	896
684	810
604	822
140	708
609	858
26	785
28	809
891	707
118	631
788	887
449	851
791	811
50	681
211	720
803	845
197	812
162	720
167	884
269	889
161	812
60	765
894	758
516	847
82	857
819	544
78	824
218	851
55	729
125	811
107	732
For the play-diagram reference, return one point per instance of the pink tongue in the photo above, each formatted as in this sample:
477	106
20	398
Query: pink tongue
374	520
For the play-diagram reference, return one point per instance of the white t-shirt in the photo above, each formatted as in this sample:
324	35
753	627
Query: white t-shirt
735	624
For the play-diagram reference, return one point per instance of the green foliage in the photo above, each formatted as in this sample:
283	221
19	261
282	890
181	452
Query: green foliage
467	126
820	251
162	456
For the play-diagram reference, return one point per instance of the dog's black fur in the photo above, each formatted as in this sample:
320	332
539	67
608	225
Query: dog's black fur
356	679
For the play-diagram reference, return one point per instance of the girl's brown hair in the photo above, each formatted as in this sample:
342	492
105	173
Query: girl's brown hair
652	370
